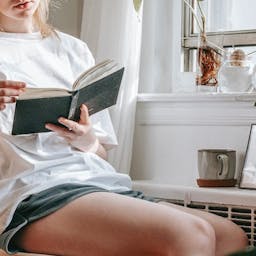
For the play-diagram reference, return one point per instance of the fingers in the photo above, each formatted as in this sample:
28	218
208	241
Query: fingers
78	134
73	129
84	115
9	90
2	106
12	84
6	99
72	126
61	131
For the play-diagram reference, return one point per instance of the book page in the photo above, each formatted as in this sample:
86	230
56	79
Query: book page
32	93
95	73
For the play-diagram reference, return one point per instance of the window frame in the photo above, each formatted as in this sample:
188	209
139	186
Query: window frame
236	38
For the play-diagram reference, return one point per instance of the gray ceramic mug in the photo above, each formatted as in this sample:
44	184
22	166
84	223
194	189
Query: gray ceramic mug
216	164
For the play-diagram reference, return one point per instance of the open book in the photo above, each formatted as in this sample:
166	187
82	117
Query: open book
97	88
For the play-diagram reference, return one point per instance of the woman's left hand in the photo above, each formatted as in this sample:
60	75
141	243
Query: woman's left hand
79	134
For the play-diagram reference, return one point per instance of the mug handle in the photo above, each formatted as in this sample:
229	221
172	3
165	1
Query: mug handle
224	166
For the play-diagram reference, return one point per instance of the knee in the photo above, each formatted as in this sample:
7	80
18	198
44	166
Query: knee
196	237
235	238
241	238
203	236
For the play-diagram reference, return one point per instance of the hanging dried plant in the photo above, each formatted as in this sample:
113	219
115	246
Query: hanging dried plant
208	53
209	64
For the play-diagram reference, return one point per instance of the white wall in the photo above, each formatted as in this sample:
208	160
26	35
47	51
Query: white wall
171	128
67	16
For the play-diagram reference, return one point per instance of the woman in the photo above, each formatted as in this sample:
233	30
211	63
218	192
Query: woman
58	195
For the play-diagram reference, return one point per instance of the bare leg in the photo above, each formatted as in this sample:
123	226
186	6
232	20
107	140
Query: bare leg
2	253
107	224
229	236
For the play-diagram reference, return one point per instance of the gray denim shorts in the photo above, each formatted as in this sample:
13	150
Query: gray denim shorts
46	202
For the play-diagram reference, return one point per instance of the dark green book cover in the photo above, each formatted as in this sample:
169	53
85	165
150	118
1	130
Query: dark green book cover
32	114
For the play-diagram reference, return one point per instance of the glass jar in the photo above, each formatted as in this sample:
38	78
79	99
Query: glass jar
208	64
236	73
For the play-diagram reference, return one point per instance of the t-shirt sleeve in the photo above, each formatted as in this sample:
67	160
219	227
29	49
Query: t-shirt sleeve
83	60
79	54
103	129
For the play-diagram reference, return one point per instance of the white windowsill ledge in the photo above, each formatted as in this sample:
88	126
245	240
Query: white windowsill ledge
197	97
229	195
196	109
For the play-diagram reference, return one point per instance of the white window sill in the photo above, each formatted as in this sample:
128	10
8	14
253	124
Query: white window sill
197	97
196	108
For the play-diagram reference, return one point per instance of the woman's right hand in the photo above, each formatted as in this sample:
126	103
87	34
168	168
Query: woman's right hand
9	90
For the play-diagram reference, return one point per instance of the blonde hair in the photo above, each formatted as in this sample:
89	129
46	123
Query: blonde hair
41	17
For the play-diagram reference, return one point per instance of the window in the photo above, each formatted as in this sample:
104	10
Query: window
229	23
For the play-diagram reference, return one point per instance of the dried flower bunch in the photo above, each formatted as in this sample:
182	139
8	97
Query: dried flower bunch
209	63
209	54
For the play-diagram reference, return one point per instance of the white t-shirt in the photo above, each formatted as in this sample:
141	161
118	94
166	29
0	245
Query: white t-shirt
34	162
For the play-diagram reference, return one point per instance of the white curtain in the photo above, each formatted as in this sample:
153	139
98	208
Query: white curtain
112	29
161	46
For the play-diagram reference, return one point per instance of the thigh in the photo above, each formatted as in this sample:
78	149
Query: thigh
108	224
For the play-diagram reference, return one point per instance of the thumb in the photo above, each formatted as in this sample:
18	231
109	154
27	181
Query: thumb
84	115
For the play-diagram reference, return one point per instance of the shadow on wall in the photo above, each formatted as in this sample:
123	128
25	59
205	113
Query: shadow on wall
66	16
